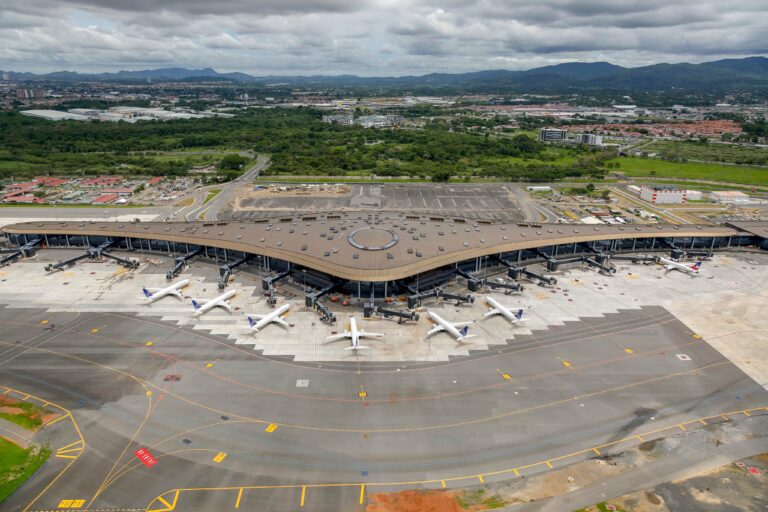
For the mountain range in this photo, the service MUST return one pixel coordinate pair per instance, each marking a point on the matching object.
(729, 74)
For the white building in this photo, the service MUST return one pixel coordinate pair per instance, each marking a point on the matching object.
(541, 188)
(344, 119)
(662, 194)
(634, 189)
(694, 195)
(729, 196)
(552, 134)
(589, 139)
(54, 115)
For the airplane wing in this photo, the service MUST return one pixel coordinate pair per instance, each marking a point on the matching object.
(154, 290)
(345, 334)
(226, 305)
(491, 313)
(176, 293)
(281, 321)
(670, 267)
(437, 328)
(370, 334)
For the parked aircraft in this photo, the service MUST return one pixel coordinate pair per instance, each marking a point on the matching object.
(203, 306)
(153, 294)
(449, 327)
(674, 265)
(354, 335)
(498, 309)
(259, 321)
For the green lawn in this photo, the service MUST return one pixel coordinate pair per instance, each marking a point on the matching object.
(694, 171)
(211, 194)
(17, 465)
(30, 417)
(712, 152)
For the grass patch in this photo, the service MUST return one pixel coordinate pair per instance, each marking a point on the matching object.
(744, 155)
(649, 167)
(211, 194)
(30, 417)
(17, 465)
(477, 497)
(186, 202)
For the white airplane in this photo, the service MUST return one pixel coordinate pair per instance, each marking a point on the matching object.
(694, 269)
(449, 327)
(153, 294)
(259, 321)
(203, 306)
(504, 311)
(354, 335)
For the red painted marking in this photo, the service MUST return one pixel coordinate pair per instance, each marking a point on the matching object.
(754, 471)
(145, 457)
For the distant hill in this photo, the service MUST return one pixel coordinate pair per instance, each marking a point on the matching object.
(729, 74)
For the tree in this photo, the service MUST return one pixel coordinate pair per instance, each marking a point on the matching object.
(590, 188)
(441, 176)
(233, 162)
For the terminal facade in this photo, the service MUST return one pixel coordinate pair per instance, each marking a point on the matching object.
(378, 256)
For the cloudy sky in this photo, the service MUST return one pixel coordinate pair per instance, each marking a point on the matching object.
(372, 37)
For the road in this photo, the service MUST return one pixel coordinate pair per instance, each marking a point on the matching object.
(210, 210)
(532, 211)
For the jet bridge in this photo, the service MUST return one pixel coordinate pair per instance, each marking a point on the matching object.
(225, 271)
(181, 262)
(26, 250)
(94, 253)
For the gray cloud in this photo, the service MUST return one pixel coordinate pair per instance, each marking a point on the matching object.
(371, 37)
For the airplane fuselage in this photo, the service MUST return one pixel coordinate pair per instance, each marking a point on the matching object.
(269, 318)
(220, 301)
(170, 290)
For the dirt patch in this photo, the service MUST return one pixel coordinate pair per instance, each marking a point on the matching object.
(11, 410)
(415, 501)
(647, 446)
(653, 498)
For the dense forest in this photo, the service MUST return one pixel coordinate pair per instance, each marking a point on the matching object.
(297, 140)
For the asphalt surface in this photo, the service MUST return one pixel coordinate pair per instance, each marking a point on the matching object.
(583, 384)
(498, 202)
(211, 209)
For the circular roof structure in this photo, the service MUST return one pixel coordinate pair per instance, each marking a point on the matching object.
(372, 238)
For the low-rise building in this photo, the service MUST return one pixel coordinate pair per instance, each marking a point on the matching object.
(662, 194)
(634, 189)
(694, 195)
(590, 139)
(729, 196)
(552, 134)
(105, 199)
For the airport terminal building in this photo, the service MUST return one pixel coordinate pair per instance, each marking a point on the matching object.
(380, 255)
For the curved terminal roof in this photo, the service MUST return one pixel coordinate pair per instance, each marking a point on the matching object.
(369, 248)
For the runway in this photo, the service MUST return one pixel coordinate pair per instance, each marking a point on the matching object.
(473, 419)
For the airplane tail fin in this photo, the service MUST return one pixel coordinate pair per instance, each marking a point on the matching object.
(519, 314)
(464, 331)
(147, 294)
(251, 321)
(697, 265)
(195, 304)
(356, 347)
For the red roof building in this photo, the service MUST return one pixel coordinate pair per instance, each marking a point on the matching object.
(21, 186)
(49, 182)
(103, 181)
(24, 199)
(155, 180)
(105, 199)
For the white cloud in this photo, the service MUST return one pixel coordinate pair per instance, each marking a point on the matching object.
(371, 37)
